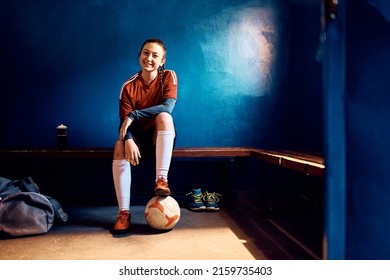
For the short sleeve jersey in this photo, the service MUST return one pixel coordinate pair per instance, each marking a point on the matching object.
(136, 94)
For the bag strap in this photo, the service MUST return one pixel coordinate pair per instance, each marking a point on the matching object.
(58, 210)
(28, 184)
(4, 184)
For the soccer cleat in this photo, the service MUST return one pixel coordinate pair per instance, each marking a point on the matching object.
(123, 220)
(161, 187)
(196, 203)
(211, 200)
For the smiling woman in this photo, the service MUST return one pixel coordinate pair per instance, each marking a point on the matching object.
(146, 102)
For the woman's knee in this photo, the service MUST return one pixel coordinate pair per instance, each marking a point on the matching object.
(119, 150)
(164, 121)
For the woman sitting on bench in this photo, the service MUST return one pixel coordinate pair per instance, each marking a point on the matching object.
(146, 125)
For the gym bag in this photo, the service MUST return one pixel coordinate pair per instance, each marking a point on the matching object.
(25, 211)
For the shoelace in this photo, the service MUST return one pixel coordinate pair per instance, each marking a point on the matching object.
(160, 178)
(211, 197)
(161, 181)
(122, 216)
(197, 197)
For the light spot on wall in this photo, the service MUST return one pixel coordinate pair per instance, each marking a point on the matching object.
(240, 49)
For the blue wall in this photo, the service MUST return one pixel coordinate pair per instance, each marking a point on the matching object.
(65, 61)
(368, 133)
(357, 150)
(305, 106)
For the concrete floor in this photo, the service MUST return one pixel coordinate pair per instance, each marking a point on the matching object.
(87, 236)
(237, 233)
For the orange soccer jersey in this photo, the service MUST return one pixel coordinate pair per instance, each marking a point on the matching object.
(136, 94)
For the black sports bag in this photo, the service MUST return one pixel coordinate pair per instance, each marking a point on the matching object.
(25, 211)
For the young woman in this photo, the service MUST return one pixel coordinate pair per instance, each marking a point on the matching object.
(146, 102)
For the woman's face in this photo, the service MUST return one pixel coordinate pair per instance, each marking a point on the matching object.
(152, 56)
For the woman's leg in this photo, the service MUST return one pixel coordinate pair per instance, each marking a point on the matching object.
(122, 181)
(164, 139)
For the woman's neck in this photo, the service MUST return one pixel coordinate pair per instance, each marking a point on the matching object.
(148, 77)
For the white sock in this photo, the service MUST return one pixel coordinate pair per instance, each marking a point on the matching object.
(122, 182)
(164, 147)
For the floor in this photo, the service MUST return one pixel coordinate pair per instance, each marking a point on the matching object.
(232, 233)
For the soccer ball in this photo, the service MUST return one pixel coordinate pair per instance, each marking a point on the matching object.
(162, 212)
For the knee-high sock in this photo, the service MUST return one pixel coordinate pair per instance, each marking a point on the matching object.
(122, 181)
(164, 146)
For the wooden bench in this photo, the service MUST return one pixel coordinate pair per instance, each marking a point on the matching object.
(307, 163)
(302, 162)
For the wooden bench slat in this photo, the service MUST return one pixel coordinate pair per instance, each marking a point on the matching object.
(304, 156)
(311, 164)
(47, 153)
(212, 152)
(305, 163)
(104, 152)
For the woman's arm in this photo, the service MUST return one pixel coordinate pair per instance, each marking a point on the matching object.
(167, 107)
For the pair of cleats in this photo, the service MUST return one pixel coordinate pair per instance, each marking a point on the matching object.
(123, 219)
(203, 201)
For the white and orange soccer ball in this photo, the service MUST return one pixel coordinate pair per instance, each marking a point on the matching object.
(162, 212)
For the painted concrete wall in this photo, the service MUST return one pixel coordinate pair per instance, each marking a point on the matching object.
(65, 61)
(357, 131)
(368, 133)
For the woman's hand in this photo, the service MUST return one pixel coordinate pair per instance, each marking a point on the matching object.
(132, 153)
(125, 125)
